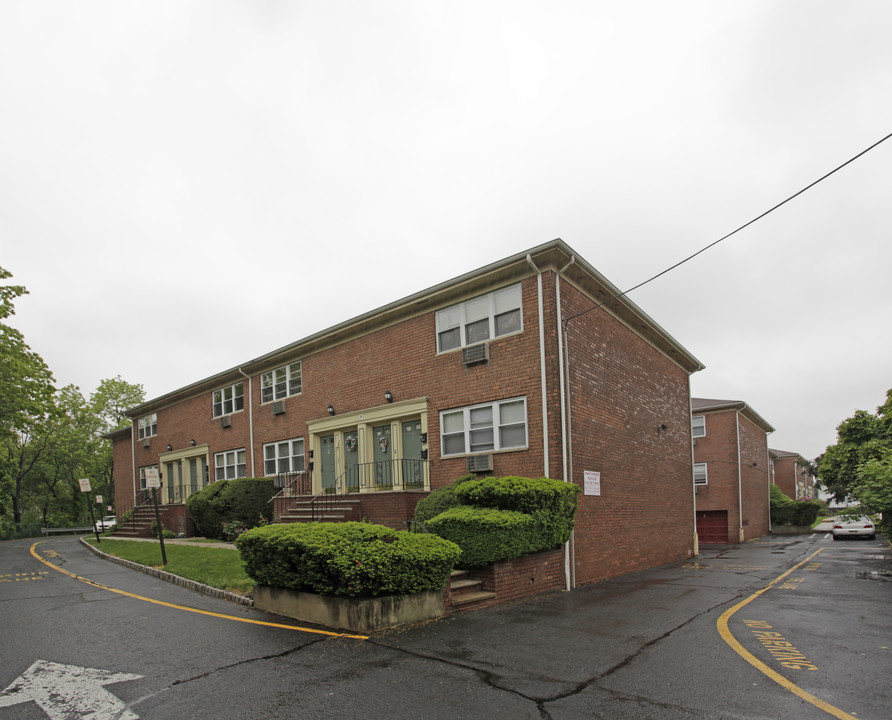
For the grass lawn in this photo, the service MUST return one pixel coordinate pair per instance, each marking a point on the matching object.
(218, 567)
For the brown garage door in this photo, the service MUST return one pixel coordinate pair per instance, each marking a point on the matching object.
(712, 526)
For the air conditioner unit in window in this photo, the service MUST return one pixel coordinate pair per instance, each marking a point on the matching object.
(146, 442)
(278, 407)
(474, 354)
(480, 463)
(226, 421)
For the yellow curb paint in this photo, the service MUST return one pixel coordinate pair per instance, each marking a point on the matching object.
(95, 584)
(722, 624)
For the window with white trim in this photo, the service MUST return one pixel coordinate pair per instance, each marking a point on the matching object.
(230, 464)
(229, 399)
(474, 321)
(142, 475)
(698, 426)
(494, 426)
(280, 383)
(147, 426)
(700, 474)
(286, 456)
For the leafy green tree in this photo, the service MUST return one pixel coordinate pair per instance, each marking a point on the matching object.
(859, 465)
(112, 399)
(26, 384)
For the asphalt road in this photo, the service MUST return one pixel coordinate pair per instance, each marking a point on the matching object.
(777, 628)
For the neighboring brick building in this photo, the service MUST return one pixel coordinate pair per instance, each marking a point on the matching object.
(731, 471)
(792, 474)
(511, 369)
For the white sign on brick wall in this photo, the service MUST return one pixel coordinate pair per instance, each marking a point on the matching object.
(592, 484)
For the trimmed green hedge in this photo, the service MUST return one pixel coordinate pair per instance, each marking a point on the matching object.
(503, 518)
(349, 559)
(246, 500)
(439, 500)
(486, 535)
(786, 511)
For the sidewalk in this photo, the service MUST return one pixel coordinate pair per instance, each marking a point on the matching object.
(177, 541)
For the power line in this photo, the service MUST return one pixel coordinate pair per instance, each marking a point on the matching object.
(733, 232)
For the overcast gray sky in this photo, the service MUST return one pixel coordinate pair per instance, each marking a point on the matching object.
(187, 185)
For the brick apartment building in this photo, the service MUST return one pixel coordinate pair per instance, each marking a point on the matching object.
(731, 471)
(511, 369)
(793, 475)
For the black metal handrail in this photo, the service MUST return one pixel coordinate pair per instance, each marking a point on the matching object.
(142, 497)
(400, 474)
(291, 485)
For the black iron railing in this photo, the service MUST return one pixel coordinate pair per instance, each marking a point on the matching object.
(380, 475)
(356, 480)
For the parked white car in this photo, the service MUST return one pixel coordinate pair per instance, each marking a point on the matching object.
(107, 523)
(854, 527)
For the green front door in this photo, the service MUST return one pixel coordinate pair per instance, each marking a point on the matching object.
(413, 466)
(351, 460)
(383, 455)
(327, 462)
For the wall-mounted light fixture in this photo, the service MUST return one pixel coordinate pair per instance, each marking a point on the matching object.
(169, 447)
(388, 396)
(192, 442)
(330, 410)
(664, 427)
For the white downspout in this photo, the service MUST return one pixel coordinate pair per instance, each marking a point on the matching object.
(566, 460)
(693, 485)
(545, 463)
(132, 462)
(250, 418)
(739, 481)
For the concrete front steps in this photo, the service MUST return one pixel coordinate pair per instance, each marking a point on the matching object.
(466, 592)
(343, 510)
(139, 526)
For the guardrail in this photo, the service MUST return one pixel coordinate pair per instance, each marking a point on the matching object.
(57, 530)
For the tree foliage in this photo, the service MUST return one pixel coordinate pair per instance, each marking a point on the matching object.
(49, 438)
(859, 465)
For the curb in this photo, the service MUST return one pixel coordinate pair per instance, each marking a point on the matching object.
(171, 578)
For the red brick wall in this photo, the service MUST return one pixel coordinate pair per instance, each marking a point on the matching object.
(785, 476)
(520, 578)
(622, 391)
(727, 474)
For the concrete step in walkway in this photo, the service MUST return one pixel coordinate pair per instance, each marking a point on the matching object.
(467, 591)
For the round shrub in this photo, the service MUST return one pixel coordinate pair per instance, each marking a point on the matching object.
(439, 500)
(349, 559)
(486, 535)
(245, 501)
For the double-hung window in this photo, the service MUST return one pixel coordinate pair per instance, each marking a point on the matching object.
(698, 426)
(283, 457)
(229, 399)
(148, 426)
(230, 464)
(474, 321)
(489, 427)
(280, 383)
(700, 474)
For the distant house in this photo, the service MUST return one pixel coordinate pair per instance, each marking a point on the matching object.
(792, 474)
(512, 369)
(731, 471)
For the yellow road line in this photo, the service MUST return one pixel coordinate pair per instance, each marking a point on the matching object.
(722, 625)
(95, 584)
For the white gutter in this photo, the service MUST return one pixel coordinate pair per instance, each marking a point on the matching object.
(739, 481)
(132, 462)
(693, 484)
(250, 418)
(566, 459)
(545, 464)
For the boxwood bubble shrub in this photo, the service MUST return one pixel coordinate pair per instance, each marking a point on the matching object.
(348, 559)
